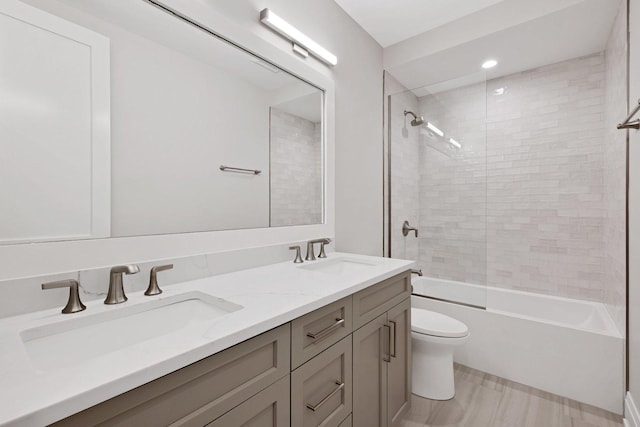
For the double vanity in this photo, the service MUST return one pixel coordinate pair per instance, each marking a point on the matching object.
(319, 343)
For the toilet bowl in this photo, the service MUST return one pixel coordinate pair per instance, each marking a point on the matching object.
(434, 338)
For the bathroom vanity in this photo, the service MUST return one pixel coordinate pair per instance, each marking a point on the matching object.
(322, 343)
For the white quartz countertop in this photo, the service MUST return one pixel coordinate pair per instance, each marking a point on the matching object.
(270, 296)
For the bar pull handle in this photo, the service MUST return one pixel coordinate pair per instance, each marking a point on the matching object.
(393, 354)
(74, 304)
(224, 168)
(326, 331)
(387, 344)
(317, 406)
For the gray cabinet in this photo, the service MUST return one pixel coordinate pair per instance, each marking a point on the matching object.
(399, 366)
(314, 371)
(201, 392)
(370, 373)
(382, 356)
(269, 408)
(321, 389)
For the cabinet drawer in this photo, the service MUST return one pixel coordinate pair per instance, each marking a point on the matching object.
(201, 392)
(319, 330)
(321, 388)
(269, 408)
(377, 299)
(348, 422)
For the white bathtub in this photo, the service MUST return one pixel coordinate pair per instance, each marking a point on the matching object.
(564, 346)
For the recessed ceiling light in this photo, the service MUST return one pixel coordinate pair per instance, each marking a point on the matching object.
(490, 63)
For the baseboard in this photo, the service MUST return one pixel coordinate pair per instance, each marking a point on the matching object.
(631, 415)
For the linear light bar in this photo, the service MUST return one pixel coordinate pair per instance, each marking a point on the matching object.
(454, 143)
(434, 129)
(281, 26)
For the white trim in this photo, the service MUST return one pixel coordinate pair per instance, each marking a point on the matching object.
(631, 415)
(100, 106)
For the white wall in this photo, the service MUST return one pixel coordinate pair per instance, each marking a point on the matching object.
(634, 208)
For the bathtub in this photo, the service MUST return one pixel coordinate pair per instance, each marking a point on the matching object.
(564, 346)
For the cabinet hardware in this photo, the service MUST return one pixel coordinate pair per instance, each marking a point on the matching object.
(393, 354)
(387, 344)
(314, 408)
(326, 331)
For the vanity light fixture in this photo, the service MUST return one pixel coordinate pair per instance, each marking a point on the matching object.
(301, 42)
(434, 129)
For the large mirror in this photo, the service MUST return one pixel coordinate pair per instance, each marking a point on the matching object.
(120, 119)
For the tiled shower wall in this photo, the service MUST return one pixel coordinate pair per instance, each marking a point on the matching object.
(296, 170)
(545, 182)
(453, 191)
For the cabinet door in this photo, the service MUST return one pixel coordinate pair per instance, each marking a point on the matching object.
(269, 408)
(399, 366)
(321, 390)
(370, 346)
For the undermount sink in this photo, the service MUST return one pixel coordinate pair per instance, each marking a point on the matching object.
(77, 340)
(339, 265)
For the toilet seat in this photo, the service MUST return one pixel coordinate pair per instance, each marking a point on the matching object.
(435, 324)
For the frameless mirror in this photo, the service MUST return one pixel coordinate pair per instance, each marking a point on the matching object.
(121, 119)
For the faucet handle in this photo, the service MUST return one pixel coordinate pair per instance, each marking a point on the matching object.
(322, 243)
(153, 288)
(298, 259)
(74, 304)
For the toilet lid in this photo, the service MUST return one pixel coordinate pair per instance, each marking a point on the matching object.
(436, 324)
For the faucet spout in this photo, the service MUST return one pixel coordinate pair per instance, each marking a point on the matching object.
(116, 293)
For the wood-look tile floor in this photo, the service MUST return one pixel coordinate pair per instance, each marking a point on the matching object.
(484, 400)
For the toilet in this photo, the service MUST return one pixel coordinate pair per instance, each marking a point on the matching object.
(434, 337)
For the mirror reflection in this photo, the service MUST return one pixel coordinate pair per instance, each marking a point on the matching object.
(118, 117)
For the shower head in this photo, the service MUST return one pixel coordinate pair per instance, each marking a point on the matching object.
(417, 120)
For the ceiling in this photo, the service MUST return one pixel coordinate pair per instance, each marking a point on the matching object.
(390, 22)
(446, 48)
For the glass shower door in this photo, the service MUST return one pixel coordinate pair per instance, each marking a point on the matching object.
(438, 186)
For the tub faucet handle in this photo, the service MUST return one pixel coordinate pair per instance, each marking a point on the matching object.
(74, 304)
(153, 288)
(406, 228)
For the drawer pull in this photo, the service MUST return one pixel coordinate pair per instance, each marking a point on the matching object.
(326, 331)
(329, 396)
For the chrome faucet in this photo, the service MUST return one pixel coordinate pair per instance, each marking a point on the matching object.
(406, 228)
(418, 272)
(116, 291)
(311, 256)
